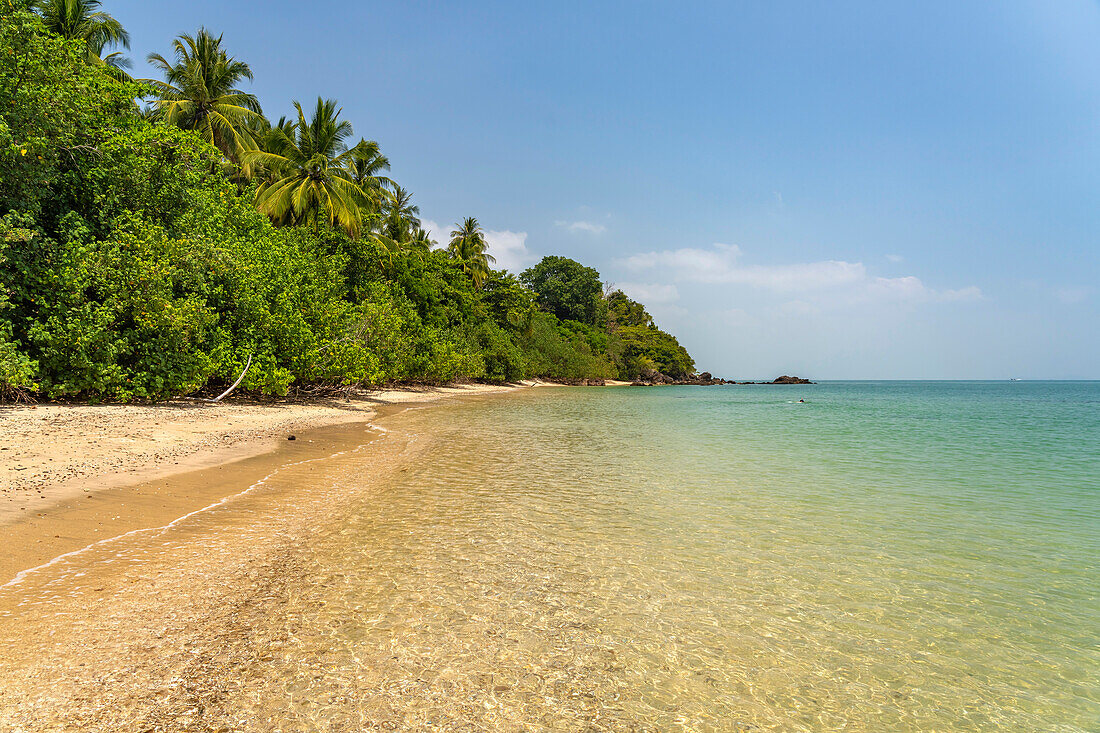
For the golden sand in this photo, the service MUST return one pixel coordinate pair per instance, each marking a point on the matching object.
(75, 474)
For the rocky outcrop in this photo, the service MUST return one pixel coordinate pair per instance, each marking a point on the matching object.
(790, 380)
(785, 379)
(651, 378)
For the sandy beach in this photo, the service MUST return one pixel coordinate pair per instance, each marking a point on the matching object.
(74, 474)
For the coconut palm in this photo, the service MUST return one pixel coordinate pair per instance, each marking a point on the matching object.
(366, 166)
(82, 20)
(265, 136)
(421, 239)
(199, 92)
(400, 215)
(388, 249)
(469, 247)
(309, 177)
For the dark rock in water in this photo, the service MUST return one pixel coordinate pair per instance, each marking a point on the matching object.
(652, 377)
(291, 437)
(785, 379)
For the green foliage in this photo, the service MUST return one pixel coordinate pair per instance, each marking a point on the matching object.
(133, 267)
(566, 288)
(646, 348)
(16, 369)
(312, 172)
(622, 311)
(54, 109)
(199, 93)
(556, 352)
(82, 20)
(470, 250)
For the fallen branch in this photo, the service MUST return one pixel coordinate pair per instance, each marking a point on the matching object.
(233, 386)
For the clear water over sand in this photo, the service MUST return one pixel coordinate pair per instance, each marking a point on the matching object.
(884, 557)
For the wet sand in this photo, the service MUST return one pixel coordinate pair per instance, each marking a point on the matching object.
(155, 614)
(153, 630)
(71, 475)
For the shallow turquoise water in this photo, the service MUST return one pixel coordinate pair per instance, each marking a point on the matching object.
(884, 556)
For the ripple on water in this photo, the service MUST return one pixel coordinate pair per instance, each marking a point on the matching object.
(589, 560)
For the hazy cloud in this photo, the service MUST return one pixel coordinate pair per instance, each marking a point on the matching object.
(650, 293)
(833, 280)
(510, 249)
(1072, 295)
(720, 264)
(582, 226)
(441, 234)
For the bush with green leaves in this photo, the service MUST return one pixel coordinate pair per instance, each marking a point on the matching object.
(645, 347)
(568, 289)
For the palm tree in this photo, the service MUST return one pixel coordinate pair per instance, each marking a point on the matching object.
(366, 166)
(421, 239)
(469, 247)
(401, 216)
(309, 177)
(199, 93)
(82, 20)
(265, 137)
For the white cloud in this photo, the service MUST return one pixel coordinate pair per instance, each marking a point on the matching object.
(720, 264)
(582, 226)
(736, 318)
(895, 258)
(911, 289)
(835, 281)
(650, 293)
(441, 234)
(799, 308)
(509, 248)
(971, 292)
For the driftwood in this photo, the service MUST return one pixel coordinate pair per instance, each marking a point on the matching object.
(232, 387)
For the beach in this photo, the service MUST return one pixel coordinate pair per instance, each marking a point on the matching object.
(68, 472)
(918, 556)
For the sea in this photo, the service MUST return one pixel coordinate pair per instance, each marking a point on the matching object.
(856, 556)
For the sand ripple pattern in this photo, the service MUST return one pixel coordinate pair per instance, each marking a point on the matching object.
(571, 561)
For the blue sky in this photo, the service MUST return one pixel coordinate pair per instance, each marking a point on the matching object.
(838, 190)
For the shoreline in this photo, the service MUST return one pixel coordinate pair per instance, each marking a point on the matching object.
(75, 475)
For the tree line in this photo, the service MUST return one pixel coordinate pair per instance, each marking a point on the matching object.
(157, 235)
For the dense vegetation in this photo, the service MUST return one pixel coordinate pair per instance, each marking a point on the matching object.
(156, 235)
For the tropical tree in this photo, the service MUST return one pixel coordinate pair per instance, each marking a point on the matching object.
(82, 20)
(199, 92)
(421, 239)
(566, 288)
(269, 138)
(401, 217)
(469, 247)
(366, 167)
(309, 172)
